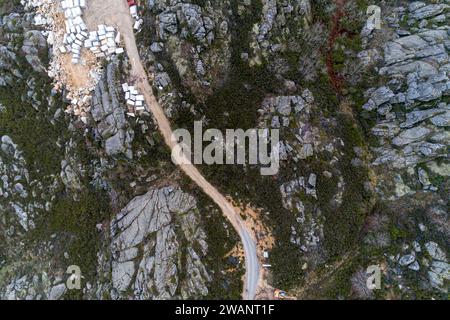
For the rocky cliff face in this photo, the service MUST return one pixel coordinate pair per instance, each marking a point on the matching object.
(111, 126)
(411, 129)
(149, 259)
(412, 113)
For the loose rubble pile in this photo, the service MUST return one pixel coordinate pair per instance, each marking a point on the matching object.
(135, 101)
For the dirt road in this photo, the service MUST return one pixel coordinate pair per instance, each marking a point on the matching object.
(116, 13)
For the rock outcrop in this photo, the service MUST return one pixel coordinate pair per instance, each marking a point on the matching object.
(411, 157)
(15, 184)
(157, 248)
(109, 115)
(418, 66)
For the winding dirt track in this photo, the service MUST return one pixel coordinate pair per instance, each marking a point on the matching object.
(116, 13)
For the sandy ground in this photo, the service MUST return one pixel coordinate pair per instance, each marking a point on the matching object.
(116, 13)
(75, 77)
(77, 74)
